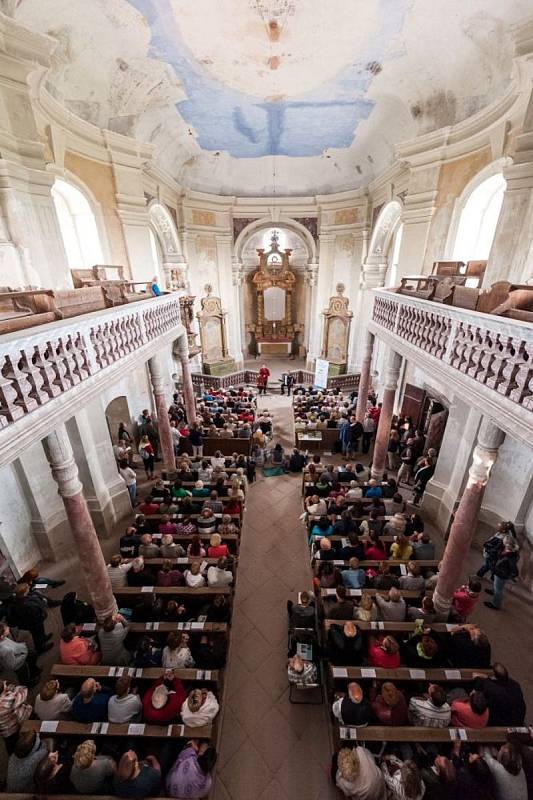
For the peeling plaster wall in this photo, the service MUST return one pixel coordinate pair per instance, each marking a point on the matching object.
(453, 177)
(99, 179)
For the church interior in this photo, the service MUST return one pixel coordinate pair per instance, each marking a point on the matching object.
(266, 399)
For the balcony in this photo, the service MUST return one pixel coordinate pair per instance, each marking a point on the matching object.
(41, 366)
(485, 358)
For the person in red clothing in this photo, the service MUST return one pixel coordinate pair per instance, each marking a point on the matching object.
(148, 507)
(375, 549)
(217, 549)
(375, 413)
(74, 649)
(465, 599)
(383, 651)
(390, 706)
(163, 700)
(471, 711)
(262, 379)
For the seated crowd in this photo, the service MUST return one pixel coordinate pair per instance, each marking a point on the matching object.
(155, 662)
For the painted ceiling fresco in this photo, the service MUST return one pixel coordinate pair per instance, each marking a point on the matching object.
(258, 97)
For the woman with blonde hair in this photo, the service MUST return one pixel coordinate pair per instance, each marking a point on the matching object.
(216, 549)
(357, 775)
(147, 453)
(366, 611)
(91, 774)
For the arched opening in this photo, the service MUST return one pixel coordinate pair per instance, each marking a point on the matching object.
(394, 257)
(478, 220)
(78, 226)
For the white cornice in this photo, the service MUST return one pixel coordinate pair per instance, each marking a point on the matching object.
(23, 44)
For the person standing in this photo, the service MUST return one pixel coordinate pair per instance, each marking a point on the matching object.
(147, 454)
(130, 479)
(368, 432)
(264, 375)
(505, 569)
(196, 440)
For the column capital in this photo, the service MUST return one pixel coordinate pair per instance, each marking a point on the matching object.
(392, 372)
(489, 440)
(61, 458)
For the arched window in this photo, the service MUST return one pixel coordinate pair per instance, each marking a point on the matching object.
(156, 252)
(478, 220)
(78, 226)
(394, 257)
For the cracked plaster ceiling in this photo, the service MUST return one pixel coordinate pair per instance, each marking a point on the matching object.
(263, 97)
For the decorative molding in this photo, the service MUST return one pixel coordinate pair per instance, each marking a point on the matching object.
(39, 367)
(481, 356)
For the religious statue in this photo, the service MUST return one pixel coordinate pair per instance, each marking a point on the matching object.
(336, 336)
(213, 336)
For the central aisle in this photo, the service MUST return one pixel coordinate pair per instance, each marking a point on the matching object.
(270, 749)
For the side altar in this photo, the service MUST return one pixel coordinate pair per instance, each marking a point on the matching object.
(274, 331)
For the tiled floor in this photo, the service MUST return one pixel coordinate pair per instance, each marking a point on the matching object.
(270, 749)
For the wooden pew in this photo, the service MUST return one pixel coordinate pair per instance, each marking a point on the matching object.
(407, 733)
(433, 675)
(88, 730)
(390, 563)
(407, 594)
(164, 627)
(181, 591)
(390, 627)
(73, 671)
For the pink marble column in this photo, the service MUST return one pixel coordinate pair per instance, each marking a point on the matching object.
(379, 458)
(155, 366)
(92, 563)
(186, 380)
(463, 527)
(364, 378)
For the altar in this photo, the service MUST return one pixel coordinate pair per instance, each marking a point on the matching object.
(276, 347)
(274, 332)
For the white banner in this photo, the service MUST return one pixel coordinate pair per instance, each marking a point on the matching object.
(321, 373)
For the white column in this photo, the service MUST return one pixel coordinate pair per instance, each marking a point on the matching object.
(511, 255)
(324, 278)
(417, 213)
(65, 473)
(128, 162)
(489, 440)
(228, 295)
(104, 489)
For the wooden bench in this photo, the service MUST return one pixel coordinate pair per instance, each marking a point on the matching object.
(163, 627)
(182, 561)
(401, 565)
(433, 674)
(181, 591)
(80, 673)
(407, 594)
(407, 733)
(390, 627)
(88, 730)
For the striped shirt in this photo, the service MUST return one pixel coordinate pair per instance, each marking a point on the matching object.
(13, 709)
(424, 714)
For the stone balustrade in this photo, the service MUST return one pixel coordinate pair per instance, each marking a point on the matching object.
(40, 366)
(489, 357)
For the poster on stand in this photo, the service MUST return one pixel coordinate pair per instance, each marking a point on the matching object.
(321, 373)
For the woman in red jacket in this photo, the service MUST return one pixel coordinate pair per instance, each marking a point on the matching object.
(383, 651)
(163, 701)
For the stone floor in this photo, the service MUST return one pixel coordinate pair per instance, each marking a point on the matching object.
(270, 749)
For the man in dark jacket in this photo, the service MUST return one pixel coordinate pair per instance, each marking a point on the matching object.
(28, 611)
(504, 695)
